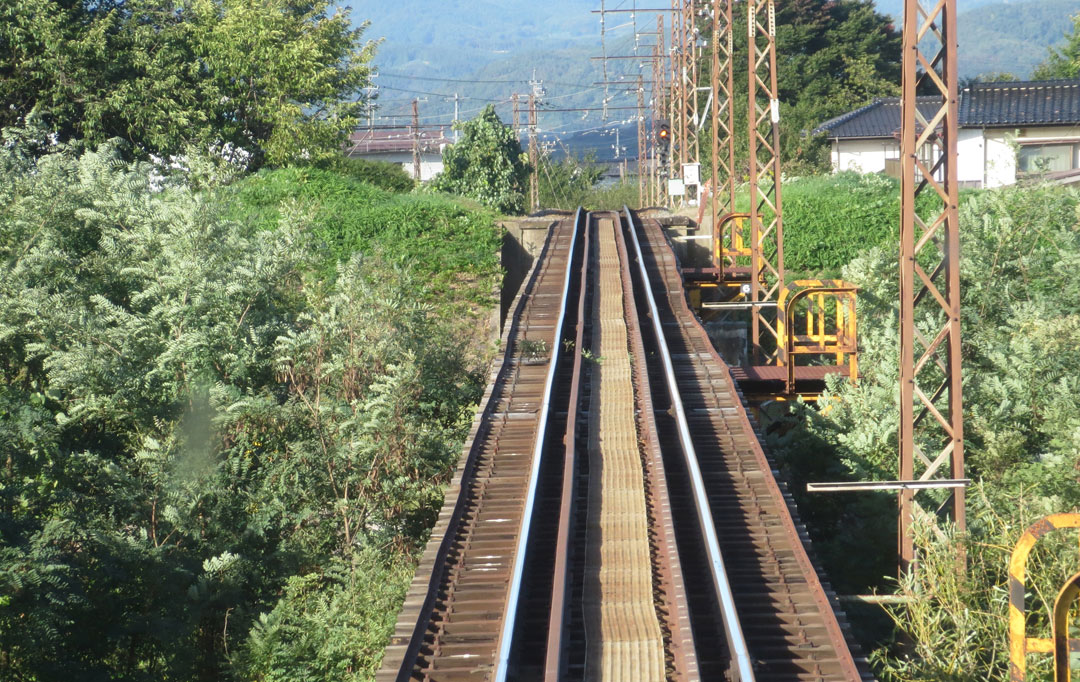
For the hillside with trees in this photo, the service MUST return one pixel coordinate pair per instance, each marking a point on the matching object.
(995, 38)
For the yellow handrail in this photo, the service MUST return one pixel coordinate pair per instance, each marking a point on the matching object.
(1019, 643)
(839, 339)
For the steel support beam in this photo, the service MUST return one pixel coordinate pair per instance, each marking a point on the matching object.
(722, 115)
(766, 214)
(534, 157)
(641, 156)
(660, 113)
(688, 115)
(931, 414)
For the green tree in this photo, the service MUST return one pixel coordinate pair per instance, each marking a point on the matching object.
(263, 81)
(487, 164)
(214, 463)
(1064, 61)
(832, 56)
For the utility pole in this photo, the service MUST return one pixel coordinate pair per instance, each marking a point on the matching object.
(456, 98)
(642, 201)
(688, 117)
(676, 85)
(416, 139)
(534, 189)
(766, 215)
(930, 363)
(659, 110)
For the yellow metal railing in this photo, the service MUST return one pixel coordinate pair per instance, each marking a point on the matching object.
(824, 310)
(728, 242)
(1065, 599)
(1020, 644)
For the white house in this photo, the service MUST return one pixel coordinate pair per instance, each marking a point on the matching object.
(397, 144)
(1007, 131)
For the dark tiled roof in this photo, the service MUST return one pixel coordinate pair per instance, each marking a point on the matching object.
(1021, 103)
(1014, 103)
(880, 118)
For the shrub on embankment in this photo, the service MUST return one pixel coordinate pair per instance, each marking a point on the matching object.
(1020, 252)
(831, 219)
(444, 239)
(214, 462)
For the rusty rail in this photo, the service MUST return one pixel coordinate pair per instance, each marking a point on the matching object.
(792, 623)
(557, 619)
(500, 592)
(743, 669)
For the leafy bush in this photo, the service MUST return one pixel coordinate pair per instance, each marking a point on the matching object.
(442, 237)
(1020, 250)
(830, 219)
(487, 164)
(565, 184)
(382, 174)
(215, 463)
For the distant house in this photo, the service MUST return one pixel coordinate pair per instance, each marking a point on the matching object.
(396, 145)
(1006, 131)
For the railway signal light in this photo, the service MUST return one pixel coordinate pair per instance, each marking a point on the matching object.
(663, 145)
(663, 134)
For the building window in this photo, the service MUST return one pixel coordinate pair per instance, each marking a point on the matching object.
(1046, 158)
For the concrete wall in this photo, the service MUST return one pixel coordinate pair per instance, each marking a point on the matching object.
(1000, 158)
(986, 157)
(970, 150)
(522, 243)
(864, 156)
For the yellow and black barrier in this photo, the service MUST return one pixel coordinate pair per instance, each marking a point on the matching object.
(1020, 645)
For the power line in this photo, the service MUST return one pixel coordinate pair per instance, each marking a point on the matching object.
(505, 81)
(436, 94)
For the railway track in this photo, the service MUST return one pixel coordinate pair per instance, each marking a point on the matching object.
(613, 516)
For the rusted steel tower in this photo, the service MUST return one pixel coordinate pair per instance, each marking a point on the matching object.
(722, 113)
(534, 156)
(931, 421)
(683, 84)
(766, 214)
(660, 110)
(641, 152)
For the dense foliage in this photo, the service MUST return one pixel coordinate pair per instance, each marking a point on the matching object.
(383, 174)
(1021, 328)
(487, 164)
(831, 219)
(444, 240)
(213, 464)
(259, 80)
(1063, 61)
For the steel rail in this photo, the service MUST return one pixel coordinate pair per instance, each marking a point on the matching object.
(510, 614)
(554, 662)
(820, 595)
(402, 671)
(743, 668)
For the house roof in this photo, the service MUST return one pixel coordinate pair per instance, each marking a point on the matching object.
(880, 118)
(1024, 103)
(390, 140)
(1006, 104)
